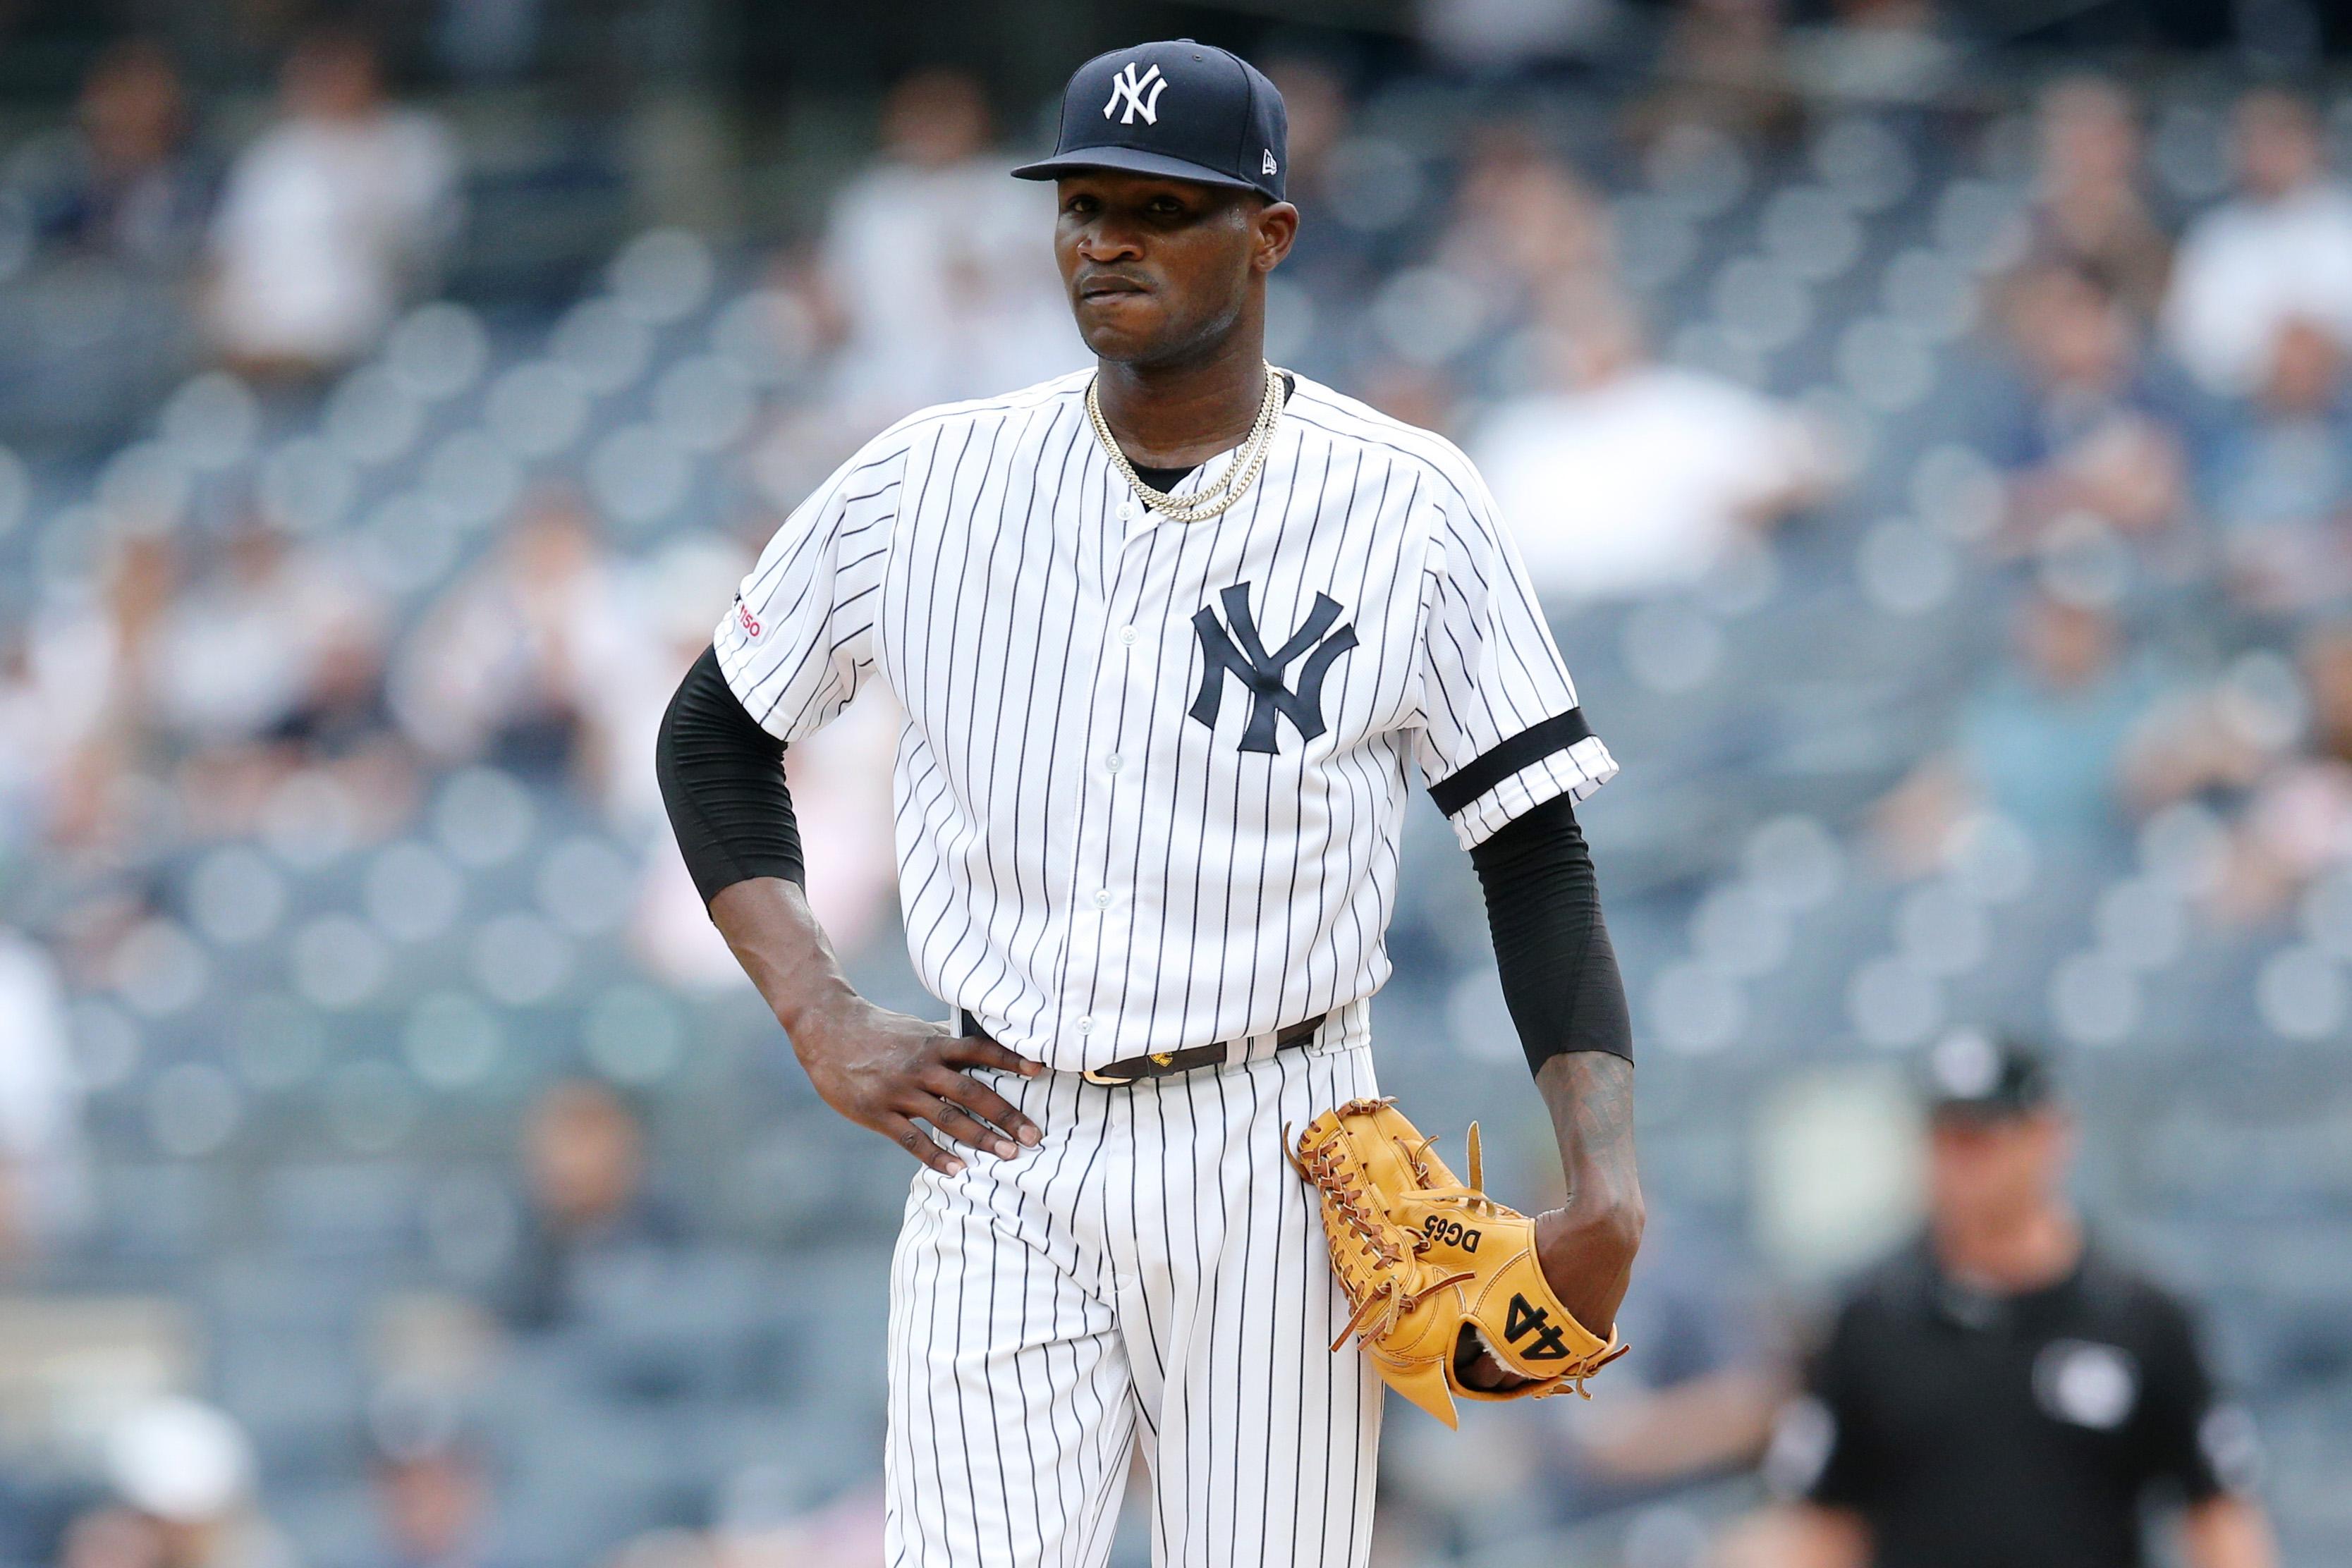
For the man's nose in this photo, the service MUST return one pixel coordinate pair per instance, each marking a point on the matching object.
(1109, 239)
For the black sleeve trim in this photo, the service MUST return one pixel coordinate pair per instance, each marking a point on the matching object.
(1551, 947)
(722, 780)
(1533, 744)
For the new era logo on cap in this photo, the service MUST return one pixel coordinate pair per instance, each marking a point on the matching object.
(1178, 109)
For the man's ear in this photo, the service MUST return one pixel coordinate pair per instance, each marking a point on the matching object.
(1275, 228)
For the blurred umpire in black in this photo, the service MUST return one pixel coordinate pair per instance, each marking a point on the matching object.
(2004, 1393)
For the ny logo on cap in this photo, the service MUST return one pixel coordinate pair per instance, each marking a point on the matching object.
(1238, 652)
(1129, 87)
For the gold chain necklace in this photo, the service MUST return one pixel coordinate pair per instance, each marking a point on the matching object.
(1211, 499)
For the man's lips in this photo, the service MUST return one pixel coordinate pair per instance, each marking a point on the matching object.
(1111, 288)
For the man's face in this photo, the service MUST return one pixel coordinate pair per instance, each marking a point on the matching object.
(1985, 1170)
(431, 1505)
(2067, 645)
(1159, 270)
(2280, 146)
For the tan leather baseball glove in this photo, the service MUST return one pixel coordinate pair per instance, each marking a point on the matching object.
(1434, 1268)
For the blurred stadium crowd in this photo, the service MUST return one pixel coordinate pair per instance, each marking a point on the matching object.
(1944, 486)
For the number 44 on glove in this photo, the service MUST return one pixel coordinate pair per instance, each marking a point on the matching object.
(1435, 1269)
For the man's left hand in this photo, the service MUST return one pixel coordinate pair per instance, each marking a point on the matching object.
(1587, 1253)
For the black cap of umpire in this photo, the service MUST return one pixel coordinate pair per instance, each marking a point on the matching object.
(1985, 1077)
(1182, 110)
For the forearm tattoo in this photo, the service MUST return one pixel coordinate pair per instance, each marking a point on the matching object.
(1590, 1095)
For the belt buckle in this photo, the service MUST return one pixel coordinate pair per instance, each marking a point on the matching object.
(1158, 1059)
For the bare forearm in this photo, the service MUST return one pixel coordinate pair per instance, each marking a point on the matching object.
(775, 936)
(882, 1069)
(1589, 1242)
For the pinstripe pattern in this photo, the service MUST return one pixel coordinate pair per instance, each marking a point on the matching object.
(1094, 873)
(1152, 1273)
(1090, 872)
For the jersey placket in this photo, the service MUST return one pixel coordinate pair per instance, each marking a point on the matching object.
(1102, 920)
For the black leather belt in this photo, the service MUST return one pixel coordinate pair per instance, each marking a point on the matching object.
(1166, 1063)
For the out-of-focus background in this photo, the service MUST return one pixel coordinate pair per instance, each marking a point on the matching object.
(1930, 424)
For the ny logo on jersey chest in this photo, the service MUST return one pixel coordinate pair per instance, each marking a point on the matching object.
(1231, 647)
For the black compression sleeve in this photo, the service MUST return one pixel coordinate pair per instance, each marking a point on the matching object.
(723, 778)
(1543, 904)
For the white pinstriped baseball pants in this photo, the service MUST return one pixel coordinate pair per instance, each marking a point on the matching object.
(1154, 1273)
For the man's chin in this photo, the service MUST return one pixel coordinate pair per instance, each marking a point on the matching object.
(1120, 332)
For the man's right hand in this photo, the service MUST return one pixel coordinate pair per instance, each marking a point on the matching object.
(882, 1069)
(886, 1071)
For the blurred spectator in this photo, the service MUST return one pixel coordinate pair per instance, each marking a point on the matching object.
(433, 1506)
(29, 747)
(2298, 825)
(2089, 212)
(2042, 741)
(256, 644)
(1624, 476)
(2285, 776)
(1723, 63)
(1887, 51)
(1503, 36)
(1526, 228)
(269, 662)
(187, 1469)
(334, 216)
(50, 666)
(94, 691)
(1419, 395)
(584, 1165)
(122, 186)
(432, 1488)
(1331, 259)
(2090, 433)
(2005, 1391)
(528, 660)
(939, 267)
(2278, 479)
(1315, 99)
(2279, 251)
(111, 1538)
(44, 1172)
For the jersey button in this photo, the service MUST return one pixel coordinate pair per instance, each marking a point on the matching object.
(1128, 637)
(1114, 762)
(1102, 898)
(1127, 511)
(1086, 1025)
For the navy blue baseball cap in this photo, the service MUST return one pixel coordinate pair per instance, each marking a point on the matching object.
(1978, 1076)
(1182, 110)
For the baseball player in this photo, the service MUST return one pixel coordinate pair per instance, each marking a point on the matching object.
(2006, 1390)
(1171, 635)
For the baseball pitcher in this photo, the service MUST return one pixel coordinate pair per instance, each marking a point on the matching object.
(1171, 636)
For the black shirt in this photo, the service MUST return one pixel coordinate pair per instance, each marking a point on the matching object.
(2020, 1430)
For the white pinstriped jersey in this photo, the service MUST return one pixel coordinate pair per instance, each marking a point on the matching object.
(1152, 774)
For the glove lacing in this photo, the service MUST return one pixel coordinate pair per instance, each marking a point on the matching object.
(1328, 1167)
